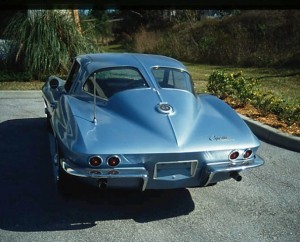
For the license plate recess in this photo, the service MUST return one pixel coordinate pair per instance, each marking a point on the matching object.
(175, 170)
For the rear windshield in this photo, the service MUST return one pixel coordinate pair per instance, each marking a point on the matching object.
(173, 78)
(112, 80)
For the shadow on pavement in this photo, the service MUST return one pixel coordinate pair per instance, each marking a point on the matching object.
(29, 202)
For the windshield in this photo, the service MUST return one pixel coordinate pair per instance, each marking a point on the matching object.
(112, 80)
(173, 78)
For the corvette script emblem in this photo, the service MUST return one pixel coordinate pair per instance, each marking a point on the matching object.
(219, 138)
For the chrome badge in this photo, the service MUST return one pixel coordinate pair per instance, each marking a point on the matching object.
(219, 138)
(164, 108)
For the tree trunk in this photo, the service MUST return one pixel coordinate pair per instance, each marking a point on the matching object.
(77, 20)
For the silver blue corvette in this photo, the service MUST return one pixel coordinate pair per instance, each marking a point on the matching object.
(134, 121)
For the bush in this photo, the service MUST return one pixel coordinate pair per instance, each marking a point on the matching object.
(242, 90)
(234, 85)
(146, 41)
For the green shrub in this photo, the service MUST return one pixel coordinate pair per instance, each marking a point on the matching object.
(243, 90)
(234, 85)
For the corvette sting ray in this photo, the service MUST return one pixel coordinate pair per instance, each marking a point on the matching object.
(134, 121)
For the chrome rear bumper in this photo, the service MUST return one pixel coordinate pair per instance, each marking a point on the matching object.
(216, 172)
(222, 171)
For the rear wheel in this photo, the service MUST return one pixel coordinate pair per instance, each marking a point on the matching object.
(48, 122)
(64, 181)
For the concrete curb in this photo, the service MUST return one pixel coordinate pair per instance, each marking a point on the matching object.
(272, 135)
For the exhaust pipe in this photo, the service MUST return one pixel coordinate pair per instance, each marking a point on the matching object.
(102, 184)
(236, 176)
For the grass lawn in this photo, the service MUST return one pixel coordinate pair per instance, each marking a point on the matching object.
(18, 85)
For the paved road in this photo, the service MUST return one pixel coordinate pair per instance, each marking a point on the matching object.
(264, 206)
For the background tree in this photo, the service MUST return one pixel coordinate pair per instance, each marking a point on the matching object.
(6, 17)
(101, 24)
(45, 42)
(77, 20)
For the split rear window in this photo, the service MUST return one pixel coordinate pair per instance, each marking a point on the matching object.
(173, 78)
(112, 80)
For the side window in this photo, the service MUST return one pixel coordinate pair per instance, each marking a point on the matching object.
(72, 75)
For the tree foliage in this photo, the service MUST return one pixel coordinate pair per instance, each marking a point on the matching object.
(101, 24)
(44, 42)
(241, 38)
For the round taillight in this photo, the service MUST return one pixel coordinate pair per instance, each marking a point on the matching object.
(234, 155)
(95, 161)
(247, 154)
(113, 161)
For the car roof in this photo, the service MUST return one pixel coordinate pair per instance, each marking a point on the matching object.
(104, 60)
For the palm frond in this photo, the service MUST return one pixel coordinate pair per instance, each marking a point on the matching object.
(46, 42)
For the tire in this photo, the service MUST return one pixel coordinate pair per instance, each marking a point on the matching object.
(64, 181)
(48, 123)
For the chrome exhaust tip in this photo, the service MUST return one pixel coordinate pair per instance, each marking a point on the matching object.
(236, 176)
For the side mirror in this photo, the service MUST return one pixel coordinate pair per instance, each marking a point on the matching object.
(54, 83)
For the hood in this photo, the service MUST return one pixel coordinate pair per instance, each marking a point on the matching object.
(139, 121)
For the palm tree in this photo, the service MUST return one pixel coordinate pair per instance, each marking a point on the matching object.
(77, 20)
(43, 41)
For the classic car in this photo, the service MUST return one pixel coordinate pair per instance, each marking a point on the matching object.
(134, 121)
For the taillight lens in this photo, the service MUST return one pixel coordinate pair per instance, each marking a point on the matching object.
(247, 154)
(113, 161)
(234, 155)
(95, 161)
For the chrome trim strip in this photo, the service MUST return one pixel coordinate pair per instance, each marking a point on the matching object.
(130, 172)
(256, 162)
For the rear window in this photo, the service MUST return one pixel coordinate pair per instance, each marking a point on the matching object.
(173, 78)
(112, 80)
